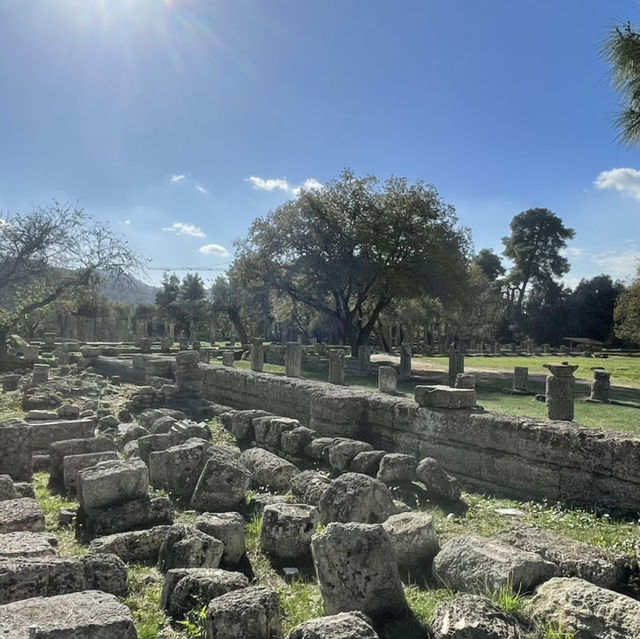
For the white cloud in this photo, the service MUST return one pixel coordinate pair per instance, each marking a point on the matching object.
(185, 229)
(214, 249)
(281, 184)
(619, 265)
(202, 190)
(177, 178)
(573, 251)
(127, 221)
(626, 181)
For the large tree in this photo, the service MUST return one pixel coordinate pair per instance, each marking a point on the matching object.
(535, 244)
(52, 252)
(627, 313)
(351, 248)
(621, 51)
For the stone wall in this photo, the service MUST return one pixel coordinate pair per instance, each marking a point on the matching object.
(526, 458)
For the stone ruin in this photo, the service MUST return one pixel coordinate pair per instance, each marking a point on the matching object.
(346, 471)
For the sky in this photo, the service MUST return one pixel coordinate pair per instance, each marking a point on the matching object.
(178, 122)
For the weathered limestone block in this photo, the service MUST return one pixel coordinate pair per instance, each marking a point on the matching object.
(178, 468)
(358, 498)
(188, 547)
(7, 488)
(560, 391)
(162, 425)
(222, 482)
(250, 613)
(21, 514)
(149, 416)
(367, 462)
(439, 484)
(184, 587)
(152, 443)
(387, 380)
(228, 358)
(129, 433)
(357, 570)
(397, 468)
(138, 514)
(318, 448)
(344, 625)
(269, 430)
(309, 486)
(268, 470)
(188, 373)
(186, 429)
(112, 482)
(520, 378)
(240, 423)
(68, 411)
(600, 386)
(10, 382)
(293, 442)
(71, 464)
(25, 577)
(88, 615)
(474, 564)
(586, 610)
(41, 415)
(336, 367)
(40, 373)
(27, 544)
(342, 452)
(474, 616)
(337, 412)
(445, 397)
(229, 529)
(414, 539)
(285, 534)
(465, 380)
(573, 558)
(15, 450)
(257, 354)
(132, 546)
(43, 435)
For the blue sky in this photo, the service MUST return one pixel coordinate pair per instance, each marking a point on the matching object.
(180, 121)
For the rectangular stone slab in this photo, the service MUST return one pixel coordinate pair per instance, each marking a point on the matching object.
(21, 514)
(445, 397)
(44, 434)
(90, 614)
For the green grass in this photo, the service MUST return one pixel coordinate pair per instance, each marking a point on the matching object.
(10, 407)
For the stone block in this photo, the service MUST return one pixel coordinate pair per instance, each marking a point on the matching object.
(7, 488)
(293, 442)
(112, 483)
(309, 486)
(229, 528)
(27, 544)
(268, 470)
(188, 547)
(133, 546)
(344, 625)
(269, 430)
(15, 450)
(387, 380)
(45, 434)
(285, 534)
(152, 443)
(71, 464)
(445, 397)
(343, 452)
(397, 468)
(21, 514)
(414, 540)
(88, 615)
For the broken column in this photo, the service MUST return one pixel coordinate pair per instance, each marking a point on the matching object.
(364, 357)
(257, 354)
(405, 361)
(188, 373)
(520, 377)
(228, 358)
(387, 380)
(293, 360)
(560, 388)
(600, 386)
(456, 365)
(336, 367)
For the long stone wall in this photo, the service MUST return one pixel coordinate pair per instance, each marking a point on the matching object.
(526, 458)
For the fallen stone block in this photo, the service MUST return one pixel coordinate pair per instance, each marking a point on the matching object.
(15, 450)
(133, 546)
(367, 462)
(152, 443)
(309, 486)
(414, 540)
(59, 450)
(438, 483)
(229, 529)
(268, 470)
(80, 615)
(397, 468)
(293, 442)
(184, 588)
(474, 616)
(25, 577)
(112, 483)
(71, 464)
(45, 434)
(445, 397)
(21, 514)
(357, 570)
(584, 610)
(27, 544)
(477, 565)
(286, 531)
(149, 416)
(343, 452)
(573, 558)
(269, 430)
(7, 488)
(250, 613)
(356, 497)
(344, 625)
(188, 547)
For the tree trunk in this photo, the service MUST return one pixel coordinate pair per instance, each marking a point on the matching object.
(239, 326)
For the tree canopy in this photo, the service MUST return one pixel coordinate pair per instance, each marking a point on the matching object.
(535, 244)
(351, 248)
(627, 313)
(51, 252)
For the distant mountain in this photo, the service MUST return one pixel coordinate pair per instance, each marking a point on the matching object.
(129, 290)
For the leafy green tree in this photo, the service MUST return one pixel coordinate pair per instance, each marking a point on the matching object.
(192, 302)
(350, 249)
(546, 313)
(490, 264)
(51, 253)
(627, 313)
(535, 244)
(621, 51)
